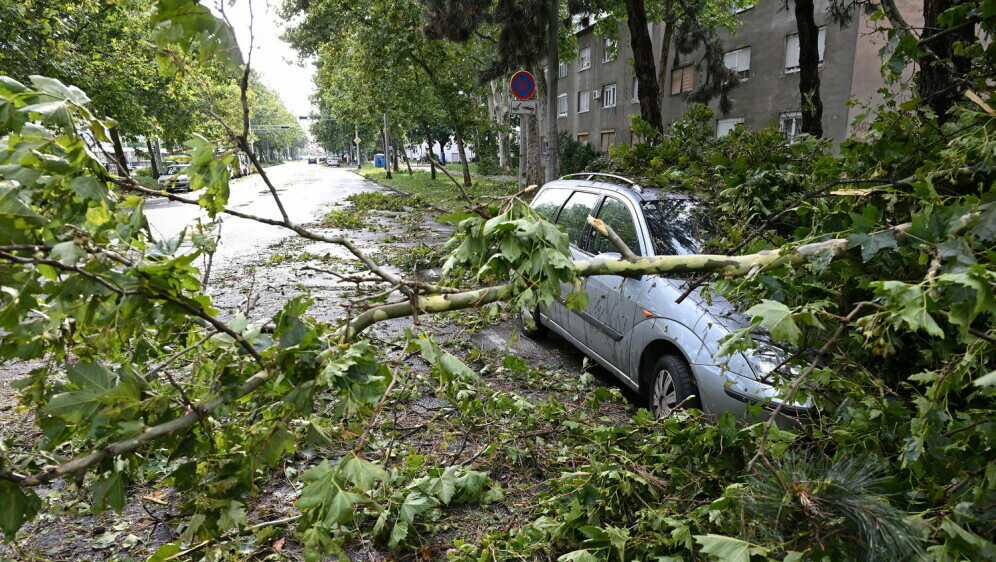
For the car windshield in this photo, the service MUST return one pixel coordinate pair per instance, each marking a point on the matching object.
(677, 226)
(175, 170)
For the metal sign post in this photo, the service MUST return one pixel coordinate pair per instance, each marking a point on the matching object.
(523, 87)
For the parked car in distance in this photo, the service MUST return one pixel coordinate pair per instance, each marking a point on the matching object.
(334, 161)
(312, 160)
(175, 178)
(665, 351)
(322, 160)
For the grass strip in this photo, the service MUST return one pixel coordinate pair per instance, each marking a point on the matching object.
(439, 191)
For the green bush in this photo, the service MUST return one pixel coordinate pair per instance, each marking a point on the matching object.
(575, 156)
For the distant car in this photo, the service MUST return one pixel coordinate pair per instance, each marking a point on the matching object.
(175, 178)
(312, 160)
(664, 350)
(321, 160)
(334, 161)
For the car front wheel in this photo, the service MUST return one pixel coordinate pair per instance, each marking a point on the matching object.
(672, 387)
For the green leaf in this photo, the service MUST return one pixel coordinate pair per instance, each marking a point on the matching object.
(109, 492)
(12, 206)
(870, 244)
(362, 472)
(19, 506)
(729, 549)
(88, 188)
(67, 252)
(777, 318)
(578, 556)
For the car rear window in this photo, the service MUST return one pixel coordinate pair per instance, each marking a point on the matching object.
(549, 202)
(677, 226)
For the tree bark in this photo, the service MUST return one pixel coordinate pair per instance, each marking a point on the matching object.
(534, 171)
(119, 155)
(553, 64)
(152, 159)
(428, 140)
(499, 114)
(939, 84)
(400, 142)
(643, 64)
(463, 154)
(665, 55)
(809, 68)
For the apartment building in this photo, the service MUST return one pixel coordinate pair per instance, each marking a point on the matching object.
(597, 92)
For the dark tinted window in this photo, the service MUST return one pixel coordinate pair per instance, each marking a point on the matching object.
(574, 217)
(617, 215)
(677, 226)
(549, 202)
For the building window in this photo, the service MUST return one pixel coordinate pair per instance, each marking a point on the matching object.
(792, 50)
(682, 79)
(611, 49)
(636, 90)
(562, 72)
(584, 59)
(724, 126)
(608, 95)
(562, 105)
(608, 139)
(791, 124)
(583, 138)
(584, 101)
(739, 61)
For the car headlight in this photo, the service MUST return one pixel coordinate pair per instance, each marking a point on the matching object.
(766, 358)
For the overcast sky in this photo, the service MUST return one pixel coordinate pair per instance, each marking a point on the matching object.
(273, 58)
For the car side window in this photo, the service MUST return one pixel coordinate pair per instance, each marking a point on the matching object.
(549, 202)
(574, 217)
(617, 215)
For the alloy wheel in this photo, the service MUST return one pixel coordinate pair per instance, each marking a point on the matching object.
(665, 396)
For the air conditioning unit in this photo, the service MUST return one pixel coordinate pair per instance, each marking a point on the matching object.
(597, 94)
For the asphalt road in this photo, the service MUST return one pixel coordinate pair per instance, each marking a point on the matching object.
(304, 190)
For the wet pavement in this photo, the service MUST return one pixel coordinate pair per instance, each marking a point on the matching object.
(305, 190)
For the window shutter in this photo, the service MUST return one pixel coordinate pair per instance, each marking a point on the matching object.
(688, 79)
(676, 81)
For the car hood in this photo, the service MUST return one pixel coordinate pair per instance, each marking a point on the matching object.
(718, 309)
(174, 177)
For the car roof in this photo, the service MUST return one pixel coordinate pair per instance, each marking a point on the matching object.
(617, 184)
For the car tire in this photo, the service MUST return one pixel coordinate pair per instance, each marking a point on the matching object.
(535, 333)
(671, 386)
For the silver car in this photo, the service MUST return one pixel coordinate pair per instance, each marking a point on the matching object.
(175, 178)
(632, 326)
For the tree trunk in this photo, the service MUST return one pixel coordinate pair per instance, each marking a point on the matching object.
(534, 171)
(152, 159)
(400, 142)
(809, 68)
(463, 155)
(428, 140)
(643, 64)
(499, 114)
(665, 55)
(119, 155)
(553, 64)
(939, 84)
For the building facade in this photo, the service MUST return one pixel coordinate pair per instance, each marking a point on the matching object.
(597, 92)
